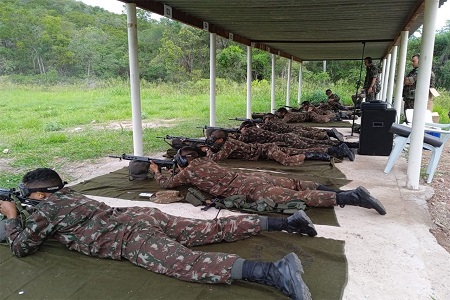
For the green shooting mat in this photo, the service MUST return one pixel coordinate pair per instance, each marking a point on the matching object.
(57, 273)
(335, 124)
(117, 185)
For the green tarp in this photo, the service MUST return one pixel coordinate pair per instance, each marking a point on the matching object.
(57, 273)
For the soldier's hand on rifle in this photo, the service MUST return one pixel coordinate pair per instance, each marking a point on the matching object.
(8, 209)
(154, 167)
(204, 148)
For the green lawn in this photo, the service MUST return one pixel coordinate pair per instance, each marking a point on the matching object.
(54, 126)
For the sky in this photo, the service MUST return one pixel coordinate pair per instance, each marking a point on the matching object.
(117, 7)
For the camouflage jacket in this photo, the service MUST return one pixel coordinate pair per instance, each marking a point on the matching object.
(409, 90)
(295, 117)
(206, 175)
(276, 125)
(371, 73)
(236, 149)
(82, 224)
(257, 135)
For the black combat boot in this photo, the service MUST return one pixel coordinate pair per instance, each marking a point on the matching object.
(352, 144)
(359, 197)
(341, 151)
(336, 134)
(317, 156)
(327, 189)
(285, 275)
(298, 222)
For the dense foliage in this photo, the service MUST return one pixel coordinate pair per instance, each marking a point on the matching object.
(65, 38)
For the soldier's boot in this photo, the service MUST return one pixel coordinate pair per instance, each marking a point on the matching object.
(341, 151)
(335, 134)
(298, 222)
(317, 156)
(352, 144)
(284, 274)
(328, 189)
(360, 197)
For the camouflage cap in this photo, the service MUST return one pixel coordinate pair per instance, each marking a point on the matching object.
(138, 170)
(166, 197)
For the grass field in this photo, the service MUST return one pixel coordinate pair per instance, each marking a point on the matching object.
(53, 126)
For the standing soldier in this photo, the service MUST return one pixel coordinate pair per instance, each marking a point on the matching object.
(372, 84)
(409, 84)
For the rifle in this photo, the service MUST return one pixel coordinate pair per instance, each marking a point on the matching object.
(196, 143)
(245, 119)
(13, 195)
(228, 130)
(24, 206)
(162, 163)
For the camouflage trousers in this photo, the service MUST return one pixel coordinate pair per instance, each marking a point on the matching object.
(409, 104)
(295, 141)
(158, 242)
(318, 118)
(309, 132)
(273, 152)
(281, 190)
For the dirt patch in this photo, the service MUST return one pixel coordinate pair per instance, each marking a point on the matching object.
(439, 204)
(125, 125)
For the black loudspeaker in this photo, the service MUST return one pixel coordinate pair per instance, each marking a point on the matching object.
(375, 138)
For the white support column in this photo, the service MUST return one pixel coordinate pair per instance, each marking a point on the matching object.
(401, 74)
(422, 90)
(272, 86)
(386, 78)
(288, 84)
(136, 118)
(383, 71)
(249, 82)
(390, 89)
(300, 81)
(212, 79)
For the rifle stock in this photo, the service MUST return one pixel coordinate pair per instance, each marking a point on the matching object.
(245, 119)
(229, 130)
(162, 163)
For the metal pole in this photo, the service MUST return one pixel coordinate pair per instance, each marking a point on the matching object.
(386, 77)
(390, 89)
(272, 85)
(401, 74)
(288, 85)
(380, 94)
(421, 97)
(300, 81)
(249, 82)
(212, 79)
(134, 80)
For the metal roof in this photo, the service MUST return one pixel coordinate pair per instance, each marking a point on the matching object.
(304, 30)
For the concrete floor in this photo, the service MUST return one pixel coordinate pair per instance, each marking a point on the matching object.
(389, 257)
(392, 256)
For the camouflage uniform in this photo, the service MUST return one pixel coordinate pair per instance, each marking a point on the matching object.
(409, 91)
(309, 116)
(278, 126)
(217, 180)
(372, 72)
(236, 149)
(145, 236)
(257, 135)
